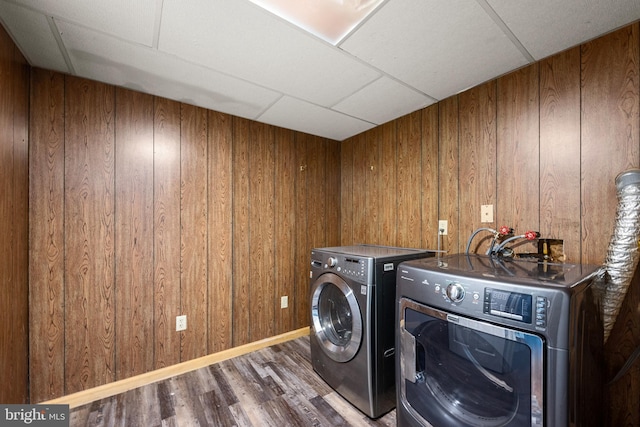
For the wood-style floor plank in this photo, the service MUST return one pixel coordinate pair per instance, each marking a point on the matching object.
(275, 386)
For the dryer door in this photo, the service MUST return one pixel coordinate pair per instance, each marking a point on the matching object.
(336, 317)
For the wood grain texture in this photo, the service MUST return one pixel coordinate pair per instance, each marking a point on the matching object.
(332, 203)
(609, 133)
(303, 247)
(193, 231)
(372, 187)
(261, 285)
(429, 178)
(317, 192)
(477, 160)
(272, 386)
(448, 176)
(89, 234)
(285, 226)
(409, 178)
(361, 226)
(220, 231)
(20, 229)
(134, 225)
(346, 191)
(14, 290)
(387, 176)
(518, 153)
(46, 231)
(559, 149)
(241, 232)
(166, 231)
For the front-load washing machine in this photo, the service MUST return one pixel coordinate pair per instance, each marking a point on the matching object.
(488, 342)
(353, 321)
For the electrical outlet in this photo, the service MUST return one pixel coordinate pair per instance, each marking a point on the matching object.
(284, 301)
(443, 227)
(486, 213)
(181, 323)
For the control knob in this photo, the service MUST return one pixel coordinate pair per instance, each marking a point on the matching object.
(455, 292)
(332, 262)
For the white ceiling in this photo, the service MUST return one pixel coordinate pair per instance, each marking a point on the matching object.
(234, 57)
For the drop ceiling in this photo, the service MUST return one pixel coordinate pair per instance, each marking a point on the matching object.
(234, 57)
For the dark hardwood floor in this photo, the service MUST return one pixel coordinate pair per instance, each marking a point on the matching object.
(275, 386)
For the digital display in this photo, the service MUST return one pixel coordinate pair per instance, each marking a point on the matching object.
(510, 305)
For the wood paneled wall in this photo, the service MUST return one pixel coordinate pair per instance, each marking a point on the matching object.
(143, 209)
(14, 299)
(542, 144)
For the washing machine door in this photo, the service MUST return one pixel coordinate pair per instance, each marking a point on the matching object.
(336, 317)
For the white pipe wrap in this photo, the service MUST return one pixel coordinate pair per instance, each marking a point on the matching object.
(622, 255)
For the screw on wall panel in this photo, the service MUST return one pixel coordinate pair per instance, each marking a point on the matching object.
(303, 168)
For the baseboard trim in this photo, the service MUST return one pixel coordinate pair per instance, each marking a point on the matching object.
(90, 395)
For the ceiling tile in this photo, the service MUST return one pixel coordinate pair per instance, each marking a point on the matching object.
(565, 23)
(438, 47)
(133, 20)
(32, 33)
(382, 101)
(114, 61)
(243, 40)
(302, 116)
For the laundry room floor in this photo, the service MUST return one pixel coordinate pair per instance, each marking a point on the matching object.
(275, 386)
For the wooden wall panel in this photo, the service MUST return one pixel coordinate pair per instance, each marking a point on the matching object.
(477, 161)
(14, 87)
(429, 179)
(544, 145)
(448, 181)
(46, 230)
(559, 149)
(409, 177)
(387, 176)
(261, 285)
(332, 182)
(89, 234)
(241, 232)
(20, 227)
(134, 225)
(165, 209)
(610, 134)
(372, 189)
(609, 131)
(220, 199)
(166, 232)
(303, 245)
(346, 191)
(359, 194)
(193, 231)
(518, 152)
(285, 226)
(317, 195)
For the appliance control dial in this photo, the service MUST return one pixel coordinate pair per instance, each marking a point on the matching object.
(332, 262)
(455, 292)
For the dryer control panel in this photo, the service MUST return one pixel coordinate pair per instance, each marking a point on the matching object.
(358, 269)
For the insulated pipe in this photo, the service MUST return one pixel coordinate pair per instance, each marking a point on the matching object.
(622, 255)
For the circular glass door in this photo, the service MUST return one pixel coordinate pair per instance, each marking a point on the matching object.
(336, 317)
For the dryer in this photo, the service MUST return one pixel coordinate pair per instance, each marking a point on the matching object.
(353, 321)
(487, 341)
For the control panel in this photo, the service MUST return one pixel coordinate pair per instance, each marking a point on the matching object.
(359, 269)
(473, 297)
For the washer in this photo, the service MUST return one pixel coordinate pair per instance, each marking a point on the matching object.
(487, 342)
(353, 321)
